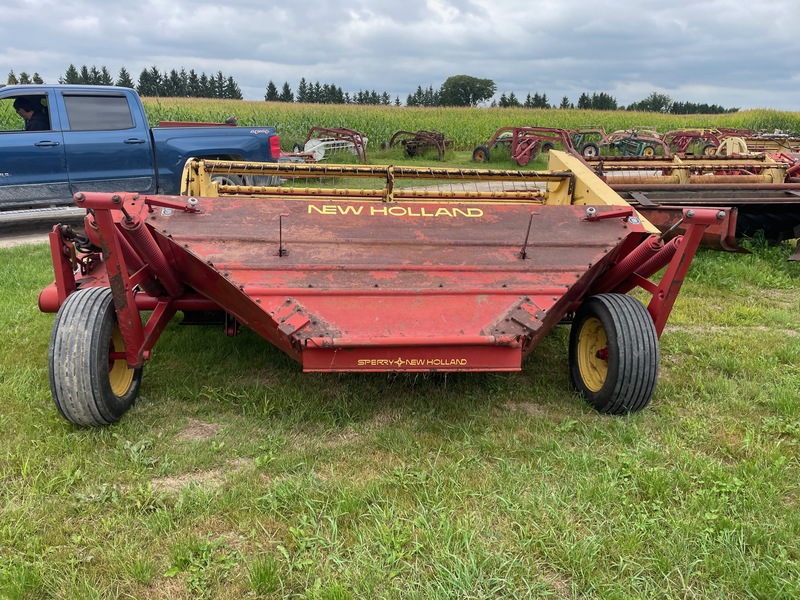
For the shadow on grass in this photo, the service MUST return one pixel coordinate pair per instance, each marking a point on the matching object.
(199, 371)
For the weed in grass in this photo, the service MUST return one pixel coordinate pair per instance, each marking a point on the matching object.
(206, 563)
(264, 576)
(141, 569)
(20, 581)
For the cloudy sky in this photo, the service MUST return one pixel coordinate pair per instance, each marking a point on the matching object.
(735, 53)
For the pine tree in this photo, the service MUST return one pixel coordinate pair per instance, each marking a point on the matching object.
(12, 79)
(105, 77)
(302, 90)
(528, 101)
(124, 78)
(271, 94)
(286, 93)
(193, 89)
(231, 90)
(71, 76)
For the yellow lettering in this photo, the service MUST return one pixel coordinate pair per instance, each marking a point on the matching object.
(395, 211)
(352, 210)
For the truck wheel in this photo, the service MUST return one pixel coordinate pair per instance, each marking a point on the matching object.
(88, 386)
(590, 150)
(480, 154)
(614, 354)
(227, 179)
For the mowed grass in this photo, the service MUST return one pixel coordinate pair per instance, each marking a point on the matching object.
(238, 476)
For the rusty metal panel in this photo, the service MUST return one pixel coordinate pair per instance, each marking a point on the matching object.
(359, 279)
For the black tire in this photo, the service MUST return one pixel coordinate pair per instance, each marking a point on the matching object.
(480, 154)
(546, 147)
(590, 150)
(709, 150)
(298, 147)
(224, 179)
(88, 388)
(614, 354)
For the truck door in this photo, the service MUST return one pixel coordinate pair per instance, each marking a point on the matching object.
(108, 145)
(33, 170)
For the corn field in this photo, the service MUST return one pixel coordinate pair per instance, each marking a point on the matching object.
(467, 127)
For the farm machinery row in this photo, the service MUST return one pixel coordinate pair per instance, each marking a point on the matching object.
(755, 176)
(762, 192)
(525, 143)
(322, 143)
(364, 268)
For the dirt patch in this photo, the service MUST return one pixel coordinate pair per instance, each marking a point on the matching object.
(175, 483)
(529, 408)
(211, 479)
(305, 440)
(196, 431)
(164, 588)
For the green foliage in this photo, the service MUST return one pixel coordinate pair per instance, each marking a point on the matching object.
(655, 102)
(465, 90)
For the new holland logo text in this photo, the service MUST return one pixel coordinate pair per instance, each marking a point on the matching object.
(412, 362)
(395, 211)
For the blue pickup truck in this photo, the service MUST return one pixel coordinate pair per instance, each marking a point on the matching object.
(99, 140)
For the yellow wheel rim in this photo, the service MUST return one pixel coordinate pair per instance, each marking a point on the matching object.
(120, 375)
(592, 354)
(648, 151)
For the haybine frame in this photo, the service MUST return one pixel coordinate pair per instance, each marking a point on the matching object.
(400, 270)
(760, 193)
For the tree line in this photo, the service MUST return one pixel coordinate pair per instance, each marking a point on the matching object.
(151, 82)
(326, 93)
(457, 90)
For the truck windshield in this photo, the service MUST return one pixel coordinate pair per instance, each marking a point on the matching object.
(95, 113)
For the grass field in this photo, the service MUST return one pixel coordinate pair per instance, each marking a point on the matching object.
(237, 476)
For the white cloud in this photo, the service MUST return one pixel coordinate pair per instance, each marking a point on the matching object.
(728, 52)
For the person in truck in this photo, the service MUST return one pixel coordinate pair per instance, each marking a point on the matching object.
(33, 112)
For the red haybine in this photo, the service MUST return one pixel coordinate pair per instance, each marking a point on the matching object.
(401, 269)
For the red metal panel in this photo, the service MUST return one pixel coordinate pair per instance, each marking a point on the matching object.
(440, 359)
(372, 281)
